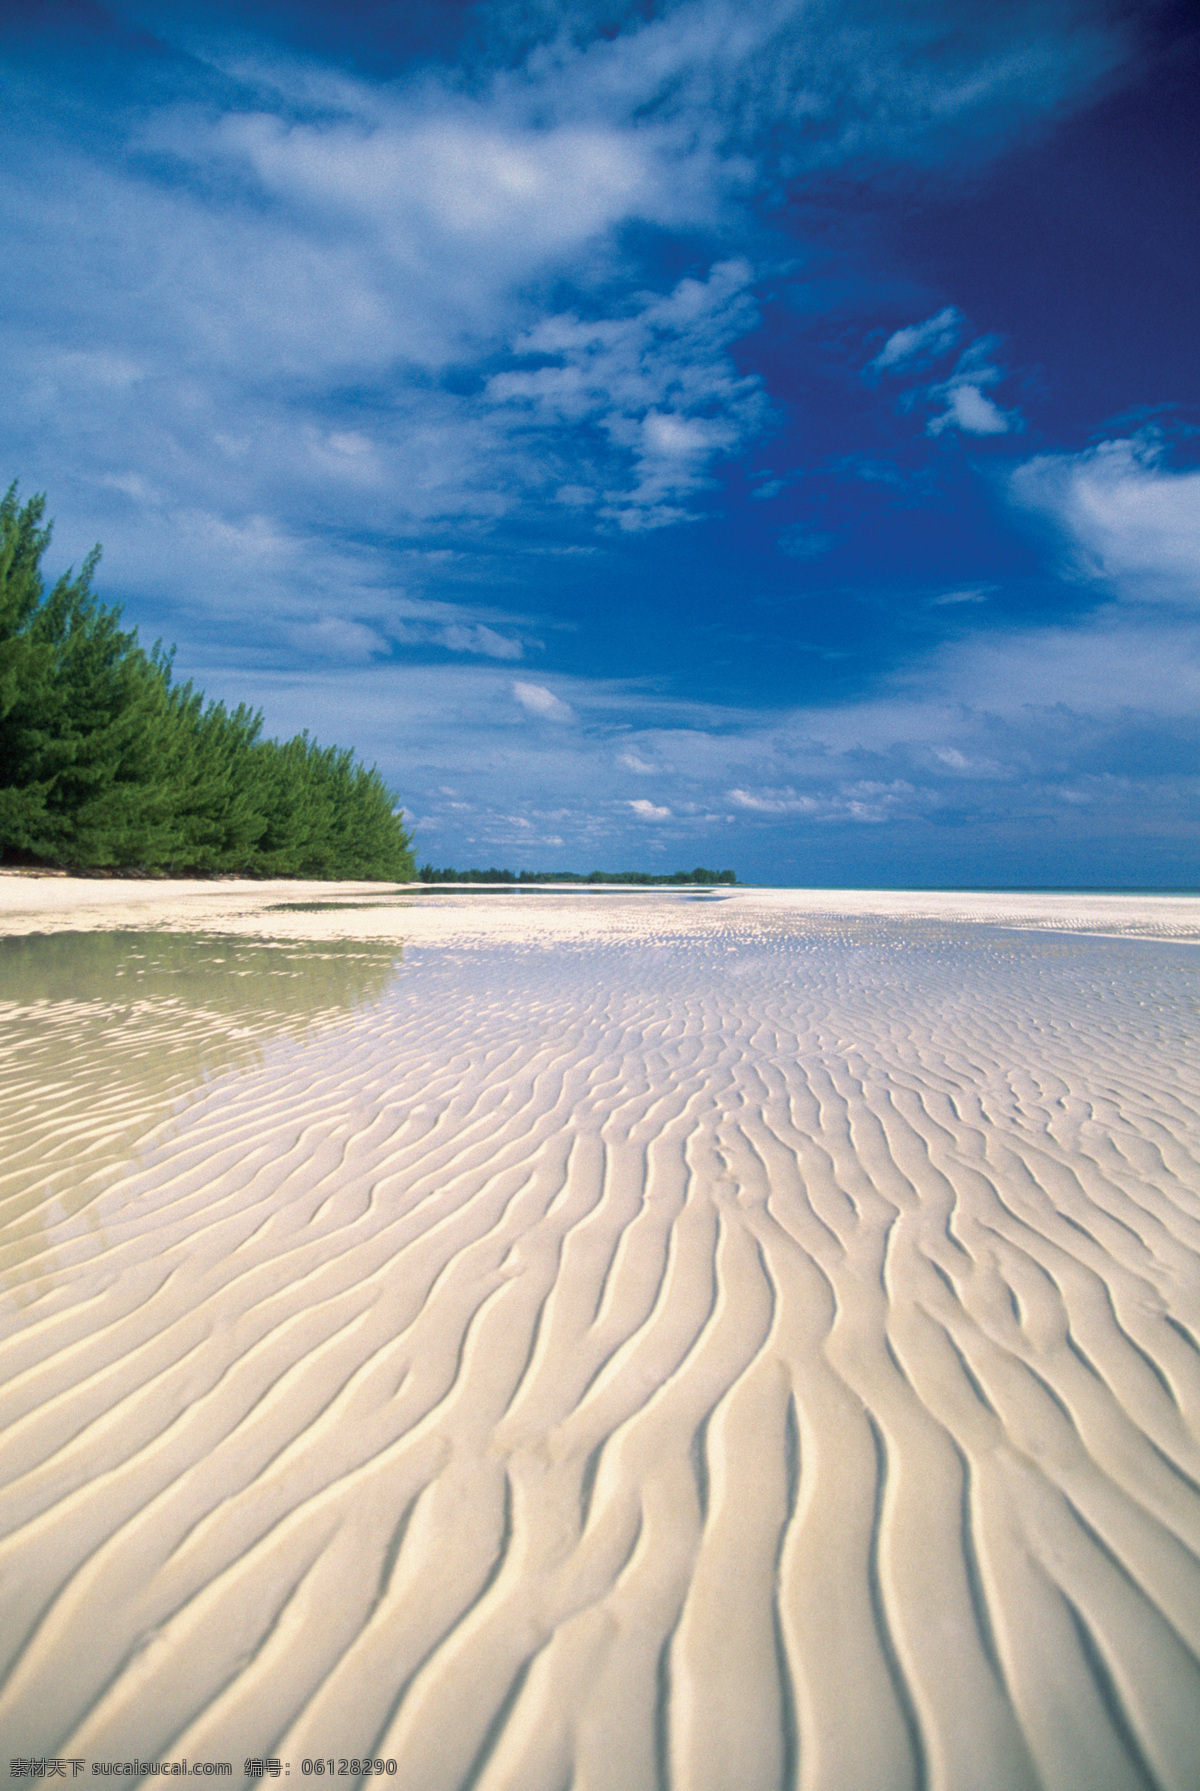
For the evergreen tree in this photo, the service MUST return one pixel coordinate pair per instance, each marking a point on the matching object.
(82, 732)
(218, 812)
(104, 761)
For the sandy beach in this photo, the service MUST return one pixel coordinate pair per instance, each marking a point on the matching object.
(617, 1341)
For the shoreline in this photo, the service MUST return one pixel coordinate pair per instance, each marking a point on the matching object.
(312, 908)
(23, 893)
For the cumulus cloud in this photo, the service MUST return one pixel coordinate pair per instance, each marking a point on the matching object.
(270, 294)
(863, 801)
(919, 342)
(971, 410)
(773, 802)
(537, 700)
(234, 267)
(657, 382)
(335, 637)
(965, 404)
(398, 221)
(1127, 518)
(968, 406)
(455, 174)
(298, 353)
(1050, 734)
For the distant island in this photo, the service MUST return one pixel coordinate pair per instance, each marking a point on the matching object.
(652, 879)
(107, 763)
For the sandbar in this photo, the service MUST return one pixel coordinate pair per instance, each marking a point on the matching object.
(624, 1340)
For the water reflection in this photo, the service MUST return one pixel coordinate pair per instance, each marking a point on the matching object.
(103, 1035)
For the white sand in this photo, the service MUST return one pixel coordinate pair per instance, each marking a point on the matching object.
(40, 901)
(52, 903)
(721, 1343)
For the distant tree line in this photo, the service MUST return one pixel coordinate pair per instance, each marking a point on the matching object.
(106, 761)
(427, 874)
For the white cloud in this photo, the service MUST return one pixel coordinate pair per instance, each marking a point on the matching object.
(1129, 520)
(657, 382)
(863, 801)
(967, 405)
(978, 739)
(972, 594)
(774, 802)
(335, 637)
(919, 342)
(456, 173)
(430, 209)
(236, 267)
(1103, 672)
(814, 82)
(537, 700)
(280, 264)
(289, 315)
(969, 409)
(480, 639)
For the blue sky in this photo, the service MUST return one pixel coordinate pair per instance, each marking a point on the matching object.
(745, 432)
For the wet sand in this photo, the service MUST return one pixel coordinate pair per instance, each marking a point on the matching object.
(604, 1341)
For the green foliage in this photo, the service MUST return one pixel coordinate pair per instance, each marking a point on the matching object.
(105, 761)
(643, 879)
(427, 874)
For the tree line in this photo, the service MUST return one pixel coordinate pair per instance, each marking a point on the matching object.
(107, 761)
(649, 879)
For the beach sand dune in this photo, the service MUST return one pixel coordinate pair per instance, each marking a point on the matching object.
(710, 1345)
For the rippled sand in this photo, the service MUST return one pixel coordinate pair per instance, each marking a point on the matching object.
(615, 1343)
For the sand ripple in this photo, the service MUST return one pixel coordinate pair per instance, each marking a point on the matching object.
(756, 1354)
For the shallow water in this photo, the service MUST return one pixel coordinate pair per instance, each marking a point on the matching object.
(766, 1355)
(103, 1035)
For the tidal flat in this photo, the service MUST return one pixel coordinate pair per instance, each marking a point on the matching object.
(615, 1342)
